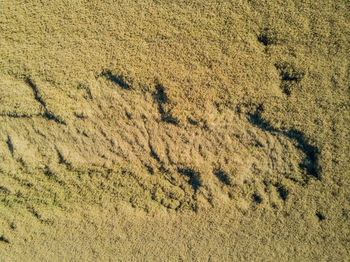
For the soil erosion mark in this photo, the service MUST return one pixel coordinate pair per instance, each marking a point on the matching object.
(290, 77)
(116, 79)
(4, 240)
(47, 114)
(267, 37)
(161, 98)
(222, 176)
(310, 163)
(194, 177)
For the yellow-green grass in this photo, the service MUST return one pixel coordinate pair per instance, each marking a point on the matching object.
(174, 130)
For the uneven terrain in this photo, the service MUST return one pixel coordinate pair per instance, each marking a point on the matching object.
(174, 130)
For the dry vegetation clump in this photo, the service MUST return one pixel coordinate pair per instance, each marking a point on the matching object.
(196, 130)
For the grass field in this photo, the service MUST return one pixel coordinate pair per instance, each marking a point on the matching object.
(174, 130)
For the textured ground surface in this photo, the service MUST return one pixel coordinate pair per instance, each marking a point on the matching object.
(182, 131)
